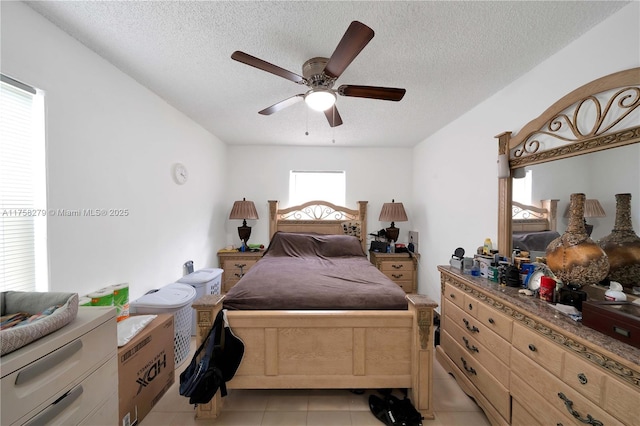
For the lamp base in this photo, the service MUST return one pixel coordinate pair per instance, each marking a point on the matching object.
(588, 228)
(244, 232)
(392, 233)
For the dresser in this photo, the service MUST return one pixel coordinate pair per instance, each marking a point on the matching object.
(68, 377)
(526, 364)
(235, 264)
(401, 268)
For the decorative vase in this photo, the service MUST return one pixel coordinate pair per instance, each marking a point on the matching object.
(623, 246)
(573, 257)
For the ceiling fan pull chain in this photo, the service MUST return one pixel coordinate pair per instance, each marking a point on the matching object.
(307, 124)
(333, 128)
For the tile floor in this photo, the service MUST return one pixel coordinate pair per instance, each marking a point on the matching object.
(311, 407)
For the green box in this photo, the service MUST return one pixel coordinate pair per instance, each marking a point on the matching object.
(492, 274)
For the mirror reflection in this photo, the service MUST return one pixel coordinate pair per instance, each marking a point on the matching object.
(599, 175)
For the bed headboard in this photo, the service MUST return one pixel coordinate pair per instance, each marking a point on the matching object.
(321, 217)
(596, 116)
(533, 218)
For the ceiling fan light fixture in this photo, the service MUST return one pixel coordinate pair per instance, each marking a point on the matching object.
(320, 99)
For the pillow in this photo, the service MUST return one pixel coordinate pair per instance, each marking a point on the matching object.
(295, 244)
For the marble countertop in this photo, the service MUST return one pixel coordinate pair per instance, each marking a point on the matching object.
(546, 312)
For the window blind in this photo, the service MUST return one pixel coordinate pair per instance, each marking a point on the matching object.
(18, 180)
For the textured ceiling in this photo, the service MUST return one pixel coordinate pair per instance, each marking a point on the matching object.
(450, 56)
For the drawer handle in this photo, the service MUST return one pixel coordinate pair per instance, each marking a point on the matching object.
(453, 296)
(241, 266)
(472, 348)
(472, 329)
(470, 307)
(397, 266)
(491, 321)
(532, 347)
(569, 404)
(397, 276)
(468, 369)
(582, 379)
(57, 407)
(48, 362)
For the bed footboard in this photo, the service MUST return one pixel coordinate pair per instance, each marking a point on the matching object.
(329, 349)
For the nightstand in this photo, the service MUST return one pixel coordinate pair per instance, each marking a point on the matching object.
(235, 264)
(401, 268)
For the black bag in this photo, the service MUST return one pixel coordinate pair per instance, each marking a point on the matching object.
(202, 378)
(393, 411)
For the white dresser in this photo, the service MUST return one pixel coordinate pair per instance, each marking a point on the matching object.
(68, 377)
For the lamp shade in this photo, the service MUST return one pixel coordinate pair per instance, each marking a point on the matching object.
(393, 212)
(320, 99)
(592, 208)
(243, 210)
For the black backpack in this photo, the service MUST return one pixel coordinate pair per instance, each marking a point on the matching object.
(224, 351)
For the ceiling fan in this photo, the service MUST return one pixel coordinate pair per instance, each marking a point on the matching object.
(320, 74)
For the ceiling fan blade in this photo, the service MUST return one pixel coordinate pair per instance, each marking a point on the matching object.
(281, 105)
(333, 116)
(353, 41)
(245, 58)
(372, 92)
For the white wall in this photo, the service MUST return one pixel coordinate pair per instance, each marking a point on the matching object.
(376, 175)
(454, 175)
(111, 143)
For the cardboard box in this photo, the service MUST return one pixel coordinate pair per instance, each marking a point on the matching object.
(145, 369)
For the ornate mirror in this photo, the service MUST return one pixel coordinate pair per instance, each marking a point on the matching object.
(585, 142)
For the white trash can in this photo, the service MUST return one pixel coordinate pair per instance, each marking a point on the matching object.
(176, 299)
(205, 281)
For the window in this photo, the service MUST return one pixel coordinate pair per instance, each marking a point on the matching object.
(305, 185)
(521, 190)
(23, 254)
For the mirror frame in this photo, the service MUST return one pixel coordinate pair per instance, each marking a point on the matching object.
(524, 149)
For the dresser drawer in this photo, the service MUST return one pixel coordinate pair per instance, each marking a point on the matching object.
(538, 348)
(558, 394)
(520, 416)
(495, 393)
(584, 377)
(495, 321)
(479, 353)
(470, 305)
(454, 295)
(55, 373)
(80, 400)
(234, 269)
(407, 286)
(474, 328)
(534, 408)
(622, 401)
(402, 275)
(397, 265)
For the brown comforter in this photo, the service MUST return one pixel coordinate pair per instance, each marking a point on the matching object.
(313, 271)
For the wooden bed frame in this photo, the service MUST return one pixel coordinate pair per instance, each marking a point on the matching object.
(342, 349)
(533, 218)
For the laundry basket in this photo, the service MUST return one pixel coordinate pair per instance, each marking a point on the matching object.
(174, 298)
